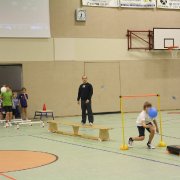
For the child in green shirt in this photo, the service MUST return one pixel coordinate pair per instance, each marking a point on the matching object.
(7, 105)
(1, 115)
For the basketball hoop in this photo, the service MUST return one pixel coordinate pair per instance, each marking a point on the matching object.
(174, 51)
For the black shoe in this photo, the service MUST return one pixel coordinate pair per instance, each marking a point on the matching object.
(130, 142)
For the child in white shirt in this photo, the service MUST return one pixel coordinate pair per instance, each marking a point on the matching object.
(145, 122)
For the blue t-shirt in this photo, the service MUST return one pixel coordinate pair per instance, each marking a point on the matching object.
(15, 103)
(23, 99)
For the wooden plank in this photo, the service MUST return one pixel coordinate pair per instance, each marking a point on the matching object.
(78, 135)
(80, 125)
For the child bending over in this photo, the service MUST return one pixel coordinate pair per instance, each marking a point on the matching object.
(145, 122)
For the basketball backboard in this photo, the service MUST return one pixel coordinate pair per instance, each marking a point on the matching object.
(166, 37)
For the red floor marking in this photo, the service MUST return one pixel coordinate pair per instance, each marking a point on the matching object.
(8, 177)
(15, 160)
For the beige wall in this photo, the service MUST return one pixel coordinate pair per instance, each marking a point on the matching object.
(101, 49)
(106, 81)
(106, 22)
(74, 49)
(147, 77)
(14, 50)
(102, 37)
(53, 83)
(56, 84)
(52, 68)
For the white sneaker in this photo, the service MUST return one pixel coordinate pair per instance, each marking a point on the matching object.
(91, 124)
(83, 124)
(150, 146)
(6, 125)
(10, 124)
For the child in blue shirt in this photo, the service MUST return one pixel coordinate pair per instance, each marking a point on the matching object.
(15, 106)
(23, 99)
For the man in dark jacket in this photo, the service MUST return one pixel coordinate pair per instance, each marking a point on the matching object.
(85, 94)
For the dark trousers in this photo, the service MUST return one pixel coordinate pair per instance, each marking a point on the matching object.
(86, 107)
(16, 112)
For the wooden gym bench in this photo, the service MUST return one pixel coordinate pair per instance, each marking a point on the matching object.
(103, 131)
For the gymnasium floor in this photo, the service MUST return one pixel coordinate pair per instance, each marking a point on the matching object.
(87, 159)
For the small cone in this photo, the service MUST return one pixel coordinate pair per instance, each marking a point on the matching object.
(44, 107)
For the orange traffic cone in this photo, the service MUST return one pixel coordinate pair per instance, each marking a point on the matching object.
(44, 107)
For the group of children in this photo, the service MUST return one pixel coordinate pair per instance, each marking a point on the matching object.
(11, 104)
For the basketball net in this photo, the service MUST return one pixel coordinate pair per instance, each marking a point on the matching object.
(174, 51)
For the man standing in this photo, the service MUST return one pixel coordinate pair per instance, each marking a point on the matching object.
(85, 94)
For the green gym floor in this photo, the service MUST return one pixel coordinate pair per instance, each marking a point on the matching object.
(82, 159)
